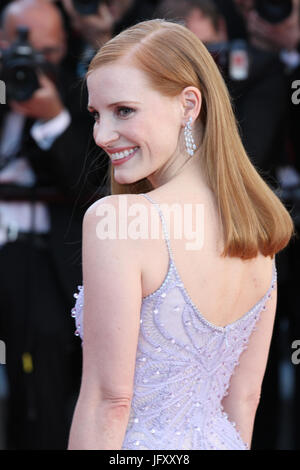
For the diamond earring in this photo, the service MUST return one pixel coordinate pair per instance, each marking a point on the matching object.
(189, 141)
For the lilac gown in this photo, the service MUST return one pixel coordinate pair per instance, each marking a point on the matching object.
(183, 368)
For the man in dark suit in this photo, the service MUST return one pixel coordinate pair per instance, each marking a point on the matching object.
(44, 153)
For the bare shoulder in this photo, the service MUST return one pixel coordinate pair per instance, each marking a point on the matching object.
(113, 200)
(107, 220)
(114, 205)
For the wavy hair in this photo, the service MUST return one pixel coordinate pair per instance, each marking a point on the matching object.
(253, 217)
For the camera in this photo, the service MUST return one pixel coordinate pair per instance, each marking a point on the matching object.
(273, 11)
(18, 68)
(87, 7)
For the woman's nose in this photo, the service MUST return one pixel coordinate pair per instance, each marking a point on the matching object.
(104, 135)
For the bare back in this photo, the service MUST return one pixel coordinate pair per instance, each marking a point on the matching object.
(222, 289)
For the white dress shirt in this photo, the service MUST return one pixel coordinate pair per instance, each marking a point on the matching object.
(22, 215)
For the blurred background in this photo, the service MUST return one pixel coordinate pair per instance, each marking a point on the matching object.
(51, 171)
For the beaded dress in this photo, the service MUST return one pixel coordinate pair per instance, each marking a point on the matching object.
(183, 368)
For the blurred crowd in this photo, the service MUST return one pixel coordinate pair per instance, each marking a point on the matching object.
(51, 171)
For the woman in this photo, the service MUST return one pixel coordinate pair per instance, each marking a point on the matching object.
(163, 366)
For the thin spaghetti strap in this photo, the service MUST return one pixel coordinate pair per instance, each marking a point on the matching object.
(274, 279)
(164, 225)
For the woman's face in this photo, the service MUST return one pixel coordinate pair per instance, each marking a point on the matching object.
(131, 117)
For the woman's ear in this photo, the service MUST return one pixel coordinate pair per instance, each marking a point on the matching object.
(191, 102)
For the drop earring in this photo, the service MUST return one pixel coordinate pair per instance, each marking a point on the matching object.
(189, 141)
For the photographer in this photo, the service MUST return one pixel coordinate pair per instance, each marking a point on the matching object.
(97, 21)
(271, 25)
(43, 153)
(93, 21)
(275, 27)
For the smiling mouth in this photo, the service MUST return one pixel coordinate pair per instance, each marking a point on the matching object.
(120, 155)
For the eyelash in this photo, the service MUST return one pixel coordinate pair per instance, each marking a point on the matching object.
(95, 114)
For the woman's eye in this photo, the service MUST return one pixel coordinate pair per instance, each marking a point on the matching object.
(123, 111)
(126, 110)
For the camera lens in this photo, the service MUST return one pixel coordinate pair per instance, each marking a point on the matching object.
(21, 82)
(274, 11)
(86, 7)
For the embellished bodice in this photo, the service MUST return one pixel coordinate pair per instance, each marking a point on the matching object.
(183, 368)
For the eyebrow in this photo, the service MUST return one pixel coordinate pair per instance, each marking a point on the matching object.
(90, 107)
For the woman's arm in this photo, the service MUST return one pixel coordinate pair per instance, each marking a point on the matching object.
(112, 302)
(245, 386)
(98, 427)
